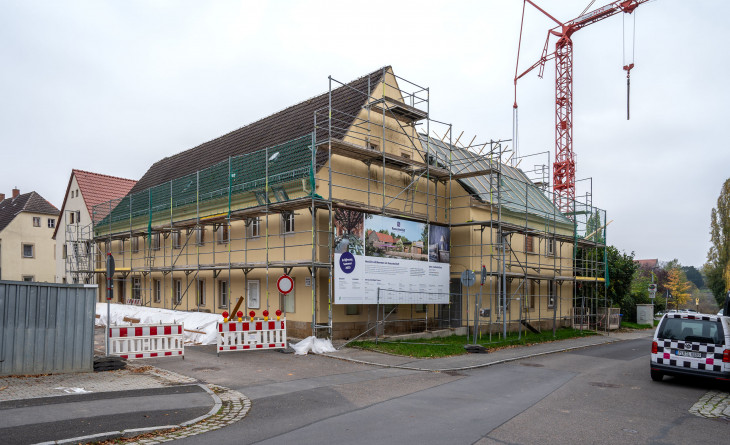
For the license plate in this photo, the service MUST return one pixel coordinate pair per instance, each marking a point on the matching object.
(691, 354)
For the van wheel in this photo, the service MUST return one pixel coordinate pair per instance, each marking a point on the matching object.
(656, 376)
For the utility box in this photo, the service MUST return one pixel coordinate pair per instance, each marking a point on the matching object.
(645, 314)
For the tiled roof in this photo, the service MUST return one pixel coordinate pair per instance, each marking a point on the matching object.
(28, 202)
(286, 125)
(383, 237)
(96, 189)
(649, 264)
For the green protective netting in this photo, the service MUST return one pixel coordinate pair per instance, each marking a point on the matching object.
(258, 171)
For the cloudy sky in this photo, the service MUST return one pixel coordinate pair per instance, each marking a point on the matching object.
(113, 86)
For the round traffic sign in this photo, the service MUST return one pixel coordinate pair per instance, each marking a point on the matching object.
(468, 278)
(285, 284)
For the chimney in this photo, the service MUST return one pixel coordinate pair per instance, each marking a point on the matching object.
(2, 197)
(16, 192)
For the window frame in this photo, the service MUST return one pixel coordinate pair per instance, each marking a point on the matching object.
(254, 227)
(287, 222)
(255, 302)
(51, 223)
(32, 250)
(199, 292)
(223, 293)
(136, 288)
(36, 221)
(157, 289)
(223, 234)
(286, 299)
(177, 291)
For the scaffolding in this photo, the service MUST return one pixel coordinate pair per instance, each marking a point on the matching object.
(384, 156)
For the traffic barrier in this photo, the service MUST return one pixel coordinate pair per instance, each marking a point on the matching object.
(147, 340)
(251, 335)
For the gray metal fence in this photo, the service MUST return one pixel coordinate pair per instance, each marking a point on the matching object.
(46, 328)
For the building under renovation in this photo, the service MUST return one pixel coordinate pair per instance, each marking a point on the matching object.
(376, 210)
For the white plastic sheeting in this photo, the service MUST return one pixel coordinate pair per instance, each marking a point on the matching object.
(196, 321)
(314, 344)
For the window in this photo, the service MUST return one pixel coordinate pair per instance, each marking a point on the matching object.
(178, 291)
(28, 278)
(222, 233)
(550, 246)
(223, 294)
(158, 290)
(529, 244)
(551, 294)
(176, 239)
(200, 293)
(420, 308)
(352, 309)
(135, 244)
(200, 236)
(51, 223)
(28, 251)
(136, 288)
(71, 217)
(287, 302)
(288, 220)
(155, 241)
(65, 251)
(529, 295)
(120, 291)
(254, 227)
(252, 294)
(36, 221)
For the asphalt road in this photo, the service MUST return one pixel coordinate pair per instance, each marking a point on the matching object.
(596, 395)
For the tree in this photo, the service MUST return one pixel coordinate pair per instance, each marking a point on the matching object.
(679, 287)
(717, 268)
(621, 270)
(594, 228)
(694, 275)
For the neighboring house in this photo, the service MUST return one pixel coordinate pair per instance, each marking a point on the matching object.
(27, 222)
(225, 219)
(647, 264)
(73, 233)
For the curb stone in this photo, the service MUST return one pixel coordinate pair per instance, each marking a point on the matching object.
(229, 407)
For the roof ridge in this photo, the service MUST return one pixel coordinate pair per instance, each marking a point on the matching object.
(274, 114)
(76, 170)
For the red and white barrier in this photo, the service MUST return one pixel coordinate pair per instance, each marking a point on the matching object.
(147, 340)
(251, 335)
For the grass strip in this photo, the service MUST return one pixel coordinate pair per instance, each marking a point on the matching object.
(454, 345)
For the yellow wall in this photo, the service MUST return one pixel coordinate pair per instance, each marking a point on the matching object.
(42, 266)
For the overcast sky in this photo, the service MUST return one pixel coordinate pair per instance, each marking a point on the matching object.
(113, 86)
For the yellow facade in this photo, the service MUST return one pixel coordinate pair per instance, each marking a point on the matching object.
(206, 255)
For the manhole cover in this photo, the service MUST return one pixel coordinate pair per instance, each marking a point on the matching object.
(533, 365)
(605, 385)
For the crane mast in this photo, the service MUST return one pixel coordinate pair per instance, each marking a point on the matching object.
(564, 164)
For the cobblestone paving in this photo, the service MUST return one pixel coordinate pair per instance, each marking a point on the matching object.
(713, 405)
(233, 407)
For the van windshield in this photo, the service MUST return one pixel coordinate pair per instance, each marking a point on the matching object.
(701, 331)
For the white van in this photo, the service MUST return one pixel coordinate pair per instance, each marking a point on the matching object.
(691, 344)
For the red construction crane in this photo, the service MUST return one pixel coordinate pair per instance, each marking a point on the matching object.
(564, 165)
